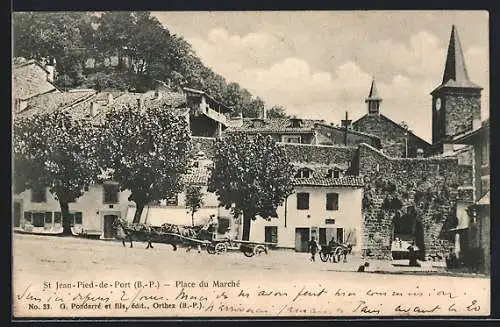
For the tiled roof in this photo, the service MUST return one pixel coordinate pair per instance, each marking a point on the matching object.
(274, 125)
(124, 99)
(319, 169)
(29, 79)
(349, 181)
(53, 101)
(197, 176)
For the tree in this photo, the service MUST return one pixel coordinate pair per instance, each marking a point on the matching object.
(254, 108)
(277, 112)
(53, 150)
(194, 200)
(252, 176)
(147, 152)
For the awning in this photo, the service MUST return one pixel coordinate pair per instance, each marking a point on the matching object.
(485, 200)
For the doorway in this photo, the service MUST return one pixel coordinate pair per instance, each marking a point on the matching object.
(301, 239)
(109, 230)
(17, 214)
(407, 229)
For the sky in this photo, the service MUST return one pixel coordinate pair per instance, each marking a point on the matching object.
(320, 64)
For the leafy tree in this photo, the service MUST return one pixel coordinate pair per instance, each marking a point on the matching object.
(252, 176)
(254, 108)
(277, 112)
(53, 150)
(147, 152)
(194, 200)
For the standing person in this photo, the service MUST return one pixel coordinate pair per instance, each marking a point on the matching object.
(313, 248)
(413, 255)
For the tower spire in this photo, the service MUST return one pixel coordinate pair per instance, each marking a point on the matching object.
(373, 99)
(455, 68)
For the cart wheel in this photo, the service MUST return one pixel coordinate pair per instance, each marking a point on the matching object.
(324, 256)
(259, 249)
(248, 253)
(338, 254)
(211, 249)
(220, 248)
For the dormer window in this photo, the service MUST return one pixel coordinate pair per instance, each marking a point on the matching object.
(333, 173)
(303, 173)
(295, 123)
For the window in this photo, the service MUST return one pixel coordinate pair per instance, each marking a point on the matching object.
(38, 194)
(173, 201)
(48, 218)
(27, 216)
(38, 219)
(291, 139)
(57, 218)
(303, 173)
(77, 218)
(332, 201)
(271, 234)
(333, 173)
(110, 192)
(302, 201)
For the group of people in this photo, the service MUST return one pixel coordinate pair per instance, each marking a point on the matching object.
(314, 247)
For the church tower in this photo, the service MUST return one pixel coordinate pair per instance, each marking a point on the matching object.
(456, 103)
(373, 100)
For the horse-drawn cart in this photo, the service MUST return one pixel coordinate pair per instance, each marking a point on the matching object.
(334, 251)
(248, 248)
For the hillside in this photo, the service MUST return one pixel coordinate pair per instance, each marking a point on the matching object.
(123, 51)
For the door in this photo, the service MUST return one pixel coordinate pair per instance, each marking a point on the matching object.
(340, 235)
(302, 239)
(109, 230)
(17, 214)
(322, 236)
(271, 234)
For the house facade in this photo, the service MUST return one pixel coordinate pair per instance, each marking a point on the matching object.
(479, 216)
(322, 208)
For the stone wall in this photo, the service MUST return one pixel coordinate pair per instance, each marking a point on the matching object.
(461, 109)
(323, 154)
(337, 136)
(392, 136)
(429, 185)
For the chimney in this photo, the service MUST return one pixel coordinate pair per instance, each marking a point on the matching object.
(50, 72)
(264, 113)
(110, 99)
(139, 104)
(157, 95)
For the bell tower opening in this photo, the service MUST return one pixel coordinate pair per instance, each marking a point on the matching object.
(373, 100)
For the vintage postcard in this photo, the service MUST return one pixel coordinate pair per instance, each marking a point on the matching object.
(250, 164)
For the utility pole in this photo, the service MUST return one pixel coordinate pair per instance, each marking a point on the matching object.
(346, 122)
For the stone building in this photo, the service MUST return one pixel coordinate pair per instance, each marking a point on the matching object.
(396, 140)
(479, 225)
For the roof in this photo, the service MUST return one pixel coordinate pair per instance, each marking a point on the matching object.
(349, 181)
(349, 131)
(373, 95)
(392, 122)
(274, 125)
(485, 200)
(197, 176)
(50, 102)
(29, 79)
(211, 99)
(472, 135)
(103, 104)
(455, 72)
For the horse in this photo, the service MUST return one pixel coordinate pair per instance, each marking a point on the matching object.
(162, 234)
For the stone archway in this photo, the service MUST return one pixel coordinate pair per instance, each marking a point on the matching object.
(409, 228)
